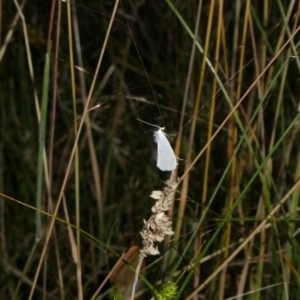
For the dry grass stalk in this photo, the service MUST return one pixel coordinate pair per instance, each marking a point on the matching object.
(158, 225)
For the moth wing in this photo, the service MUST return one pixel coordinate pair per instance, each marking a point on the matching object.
(166, 160)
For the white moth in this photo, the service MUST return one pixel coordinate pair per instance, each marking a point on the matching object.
(166, 159)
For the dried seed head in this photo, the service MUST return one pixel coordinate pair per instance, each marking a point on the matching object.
(156, 195)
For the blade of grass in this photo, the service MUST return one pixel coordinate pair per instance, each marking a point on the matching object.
(77, 258)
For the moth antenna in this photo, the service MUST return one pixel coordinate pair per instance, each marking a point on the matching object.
(151, 124)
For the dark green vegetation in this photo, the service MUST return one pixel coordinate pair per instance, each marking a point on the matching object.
(75, 190)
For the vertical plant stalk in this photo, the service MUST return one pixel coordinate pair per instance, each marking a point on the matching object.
(96, 172)
(42, 133)
(233, 136)
(158, 225)
(76, 159)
